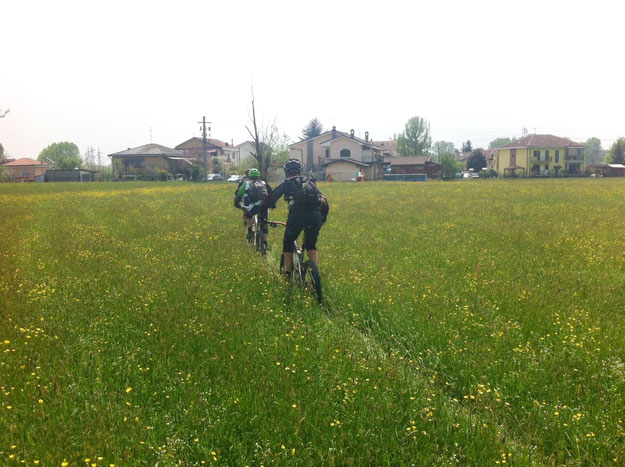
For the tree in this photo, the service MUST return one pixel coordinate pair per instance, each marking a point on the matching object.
(594, 153)
(449, 166)
(415, 140)
(467, 147)
(314, 128)
(1, 152)
(4, 114)
(272, 148)
(62, 156)
(441, 147)
(498, 142)
(476, 160)
(616, 154)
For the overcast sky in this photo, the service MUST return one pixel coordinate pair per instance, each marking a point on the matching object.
(103, 74)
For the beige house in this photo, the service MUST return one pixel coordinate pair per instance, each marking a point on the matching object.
(344, 156)
(150, 161)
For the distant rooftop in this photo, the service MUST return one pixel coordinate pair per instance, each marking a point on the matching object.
(541, 141)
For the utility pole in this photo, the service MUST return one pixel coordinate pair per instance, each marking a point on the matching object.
(203, 128)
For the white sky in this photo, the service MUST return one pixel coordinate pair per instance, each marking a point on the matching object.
(102, 74)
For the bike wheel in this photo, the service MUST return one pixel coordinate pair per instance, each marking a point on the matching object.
(311, 279)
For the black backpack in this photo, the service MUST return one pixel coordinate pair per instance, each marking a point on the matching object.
(257, 191)
(304, 193)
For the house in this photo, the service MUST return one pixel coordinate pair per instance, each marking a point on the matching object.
(344, 156)
(491, 156)
(245, 150)
(151, 161)
(462, 157)
(605, 170)
(25, 169)
(411, 165)
(389, 147)
(540, 155)
(226, 153)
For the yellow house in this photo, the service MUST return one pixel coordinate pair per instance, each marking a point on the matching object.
(540, 155)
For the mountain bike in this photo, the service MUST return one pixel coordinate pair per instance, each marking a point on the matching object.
(257, 239)
(304, 273)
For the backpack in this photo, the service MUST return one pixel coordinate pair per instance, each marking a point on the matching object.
(304, 193)
(257, 191)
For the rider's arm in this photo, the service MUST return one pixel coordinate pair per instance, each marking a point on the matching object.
(274, 195)
(241, 191)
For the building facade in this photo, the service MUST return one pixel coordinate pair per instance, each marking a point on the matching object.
(540, 155)
(25, 169)
(151, 161)
(343, 156)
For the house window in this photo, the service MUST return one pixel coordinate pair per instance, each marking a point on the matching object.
(346, 153)
(557, 156)
(547, 155)
(536, 154)
(327, 153)
(512, 157)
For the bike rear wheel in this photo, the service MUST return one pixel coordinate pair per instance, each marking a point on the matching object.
(311, 279)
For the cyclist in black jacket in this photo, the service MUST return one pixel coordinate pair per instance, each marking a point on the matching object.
(308, 211)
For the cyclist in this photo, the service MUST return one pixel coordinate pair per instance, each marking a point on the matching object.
(256, 191)
(308, 211)
(245, 198)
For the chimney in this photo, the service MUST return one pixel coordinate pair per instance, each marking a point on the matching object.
(333, 132)
(366, 136)
(351, 133)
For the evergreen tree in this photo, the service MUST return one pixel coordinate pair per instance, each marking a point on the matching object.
(314, 128)
(616, 155)
(467, 147)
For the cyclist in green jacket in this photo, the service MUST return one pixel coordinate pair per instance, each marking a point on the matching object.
(256, 191)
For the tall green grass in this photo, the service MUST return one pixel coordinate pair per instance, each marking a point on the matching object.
(474, 322)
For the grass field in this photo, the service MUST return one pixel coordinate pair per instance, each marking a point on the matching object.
(476, 322)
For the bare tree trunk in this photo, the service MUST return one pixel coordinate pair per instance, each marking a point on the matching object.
(263, 160)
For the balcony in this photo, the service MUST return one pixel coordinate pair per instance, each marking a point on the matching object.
(574, 158)
(542, 160)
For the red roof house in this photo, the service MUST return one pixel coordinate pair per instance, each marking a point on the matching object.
(26, 169)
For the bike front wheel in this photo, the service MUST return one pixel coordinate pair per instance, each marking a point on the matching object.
(311, 279)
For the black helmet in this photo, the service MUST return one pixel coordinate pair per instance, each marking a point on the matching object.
(293, 165)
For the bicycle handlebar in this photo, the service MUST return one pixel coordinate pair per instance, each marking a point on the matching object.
(275, 223)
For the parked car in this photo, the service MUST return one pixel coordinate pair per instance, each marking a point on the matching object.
(213, 177)
(235, 178)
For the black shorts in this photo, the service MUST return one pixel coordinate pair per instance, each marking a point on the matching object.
(309, 222)
(261, 217)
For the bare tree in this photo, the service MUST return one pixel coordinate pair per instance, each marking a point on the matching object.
(3, 114)
(271, 147)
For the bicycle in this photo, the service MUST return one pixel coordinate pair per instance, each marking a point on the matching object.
(257, 238)
(305, 273)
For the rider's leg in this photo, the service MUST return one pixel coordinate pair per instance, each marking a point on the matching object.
(312, 255)
(288, 261)
(264, 228)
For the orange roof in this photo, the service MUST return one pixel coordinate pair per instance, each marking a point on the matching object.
(541, 141)
(25, 162)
